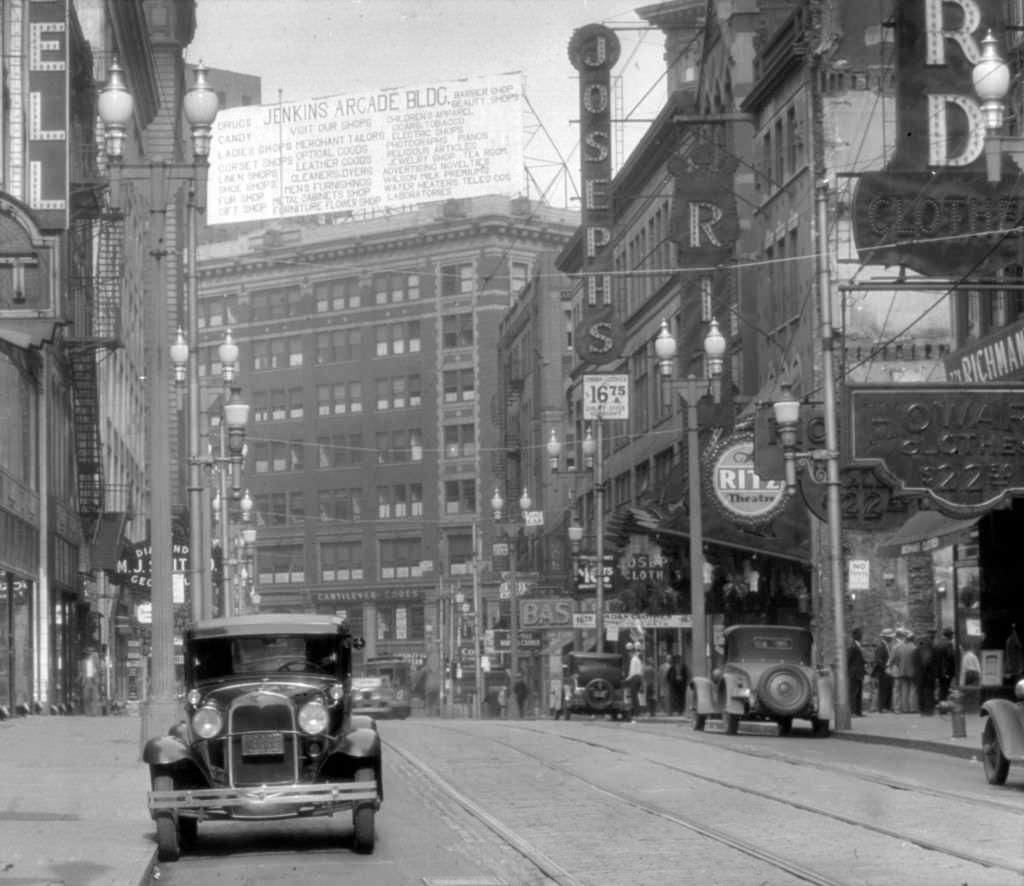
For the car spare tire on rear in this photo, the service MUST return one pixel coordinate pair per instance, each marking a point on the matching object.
(784, 690)
(599, 694)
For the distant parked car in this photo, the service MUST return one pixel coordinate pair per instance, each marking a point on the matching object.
(594, 684)
(1002, 739)
(376, 697)
(767, 674)
(269, 731)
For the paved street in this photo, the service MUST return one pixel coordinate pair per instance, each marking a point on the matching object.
(73, 805)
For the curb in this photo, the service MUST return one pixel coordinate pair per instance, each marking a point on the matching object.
(964, 752)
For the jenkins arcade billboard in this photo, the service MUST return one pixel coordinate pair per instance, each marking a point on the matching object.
(932, 208)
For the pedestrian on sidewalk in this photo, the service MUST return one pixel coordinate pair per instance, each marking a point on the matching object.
(665, 685)
(650, 688)
(521, 690)
(855, 672)
(945, 661)
(89, 680)
(679, 680)
(907, 674)
(634, 679)
(881, 670)
(925, 668)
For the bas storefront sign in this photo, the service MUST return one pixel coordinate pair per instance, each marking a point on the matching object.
(963, 448)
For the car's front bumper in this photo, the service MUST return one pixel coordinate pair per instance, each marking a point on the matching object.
(266, 801)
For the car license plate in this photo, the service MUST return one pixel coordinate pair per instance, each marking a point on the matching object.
(262, 744)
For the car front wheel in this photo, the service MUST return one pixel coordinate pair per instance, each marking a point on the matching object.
(167, 846)
(997, 767)
(363, 819)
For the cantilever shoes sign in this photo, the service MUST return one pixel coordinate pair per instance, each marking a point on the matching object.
(932, 208)
(961, 447)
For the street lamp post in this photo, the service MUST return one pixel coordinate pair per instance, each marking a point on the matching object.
(115, 107)
(497, 506)
(991, 77)
(691, 390)
(593, 458)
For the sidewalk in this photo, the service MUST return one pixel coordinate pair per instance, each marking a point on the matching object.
(73, 802)
(73, 791)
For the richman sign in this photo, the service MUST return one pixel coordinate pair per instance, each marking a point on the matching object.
(737, 488)
(962, 447)
(932, 208)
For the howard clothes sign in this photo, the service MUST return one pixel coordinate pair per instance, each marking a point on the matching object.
(962, 448)
(933, 209)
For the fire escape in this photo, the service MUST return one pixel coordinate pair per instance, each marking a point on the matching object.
(94, 262)
(505, 464)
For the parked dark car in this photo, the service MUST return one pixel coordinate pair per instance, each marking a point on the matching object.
(376, 697)
(268, 731)
(767, 674)
(1002, 739)
(594, 684)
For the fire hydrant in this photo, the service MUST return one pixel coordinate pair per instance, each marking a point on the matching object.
(956, 714)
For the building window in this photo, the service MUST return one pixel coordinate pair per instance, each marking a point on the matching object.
(281, 564)
(460, 554)
(457, 279)
(460, 497)
(340, 451)
(337, 295)
(395, 288)
(457, 331)
(401, 558)
(341, 561)
(338, 346)
(339, 504)
(275, 304)
(394, 339)
(458, 385)
(400, 622)
(339, 399)
(518, 277)
(459, 440)
(400, 446)
(400, 501)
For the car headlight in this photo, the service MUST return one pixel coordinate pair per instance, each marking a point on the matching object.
(313, 718)
(207, 722)
(1018, 690)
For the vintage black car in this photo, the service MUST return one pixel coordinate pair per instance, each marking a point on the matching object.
(593, 683)
(767, 674)
(1002, 739)
(268, 731)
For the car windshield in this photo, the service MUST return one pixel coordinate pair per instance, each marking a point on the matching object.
(218, 657)
(768, 646)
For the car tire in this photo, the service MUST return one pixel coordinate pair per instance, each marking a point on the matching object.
(997, 767)
(785, 725)
(821, 728)
(599, 694)
(732, 723)
(364, 818)
(699, 722)
(168, 847)
(784, 690)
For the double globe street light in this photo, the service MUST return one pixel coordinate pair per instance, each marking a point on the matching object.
(116, 110)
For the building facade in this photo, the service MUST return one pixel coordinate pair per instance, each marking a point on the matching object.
(368, 355)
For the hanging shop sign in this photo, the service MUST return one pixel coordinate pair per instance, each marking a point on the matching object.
(963, 447)
(47, 118)
(594, 50)
(737, 489)
(932, 209)
(997, 357)
(705, 223)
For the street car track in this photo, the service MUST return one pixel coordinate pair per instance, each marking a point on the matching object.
(697, 824)
(868, 776)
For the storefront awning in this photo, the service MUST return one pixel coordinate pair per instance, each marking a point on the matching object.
(926, 531)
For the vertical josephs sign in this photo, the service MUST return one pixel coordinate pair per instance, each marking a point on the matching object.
(593, 51)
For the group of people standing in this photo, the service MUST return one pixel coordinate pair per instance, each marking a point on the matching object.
(648, 687)
(906, 674)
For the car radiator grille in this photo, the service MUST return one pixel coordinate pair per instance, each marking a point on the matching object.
(263, 746)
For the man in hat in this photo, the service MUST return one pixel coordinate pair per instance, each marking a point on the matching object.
(855, 672)
(945, 662)
(880, 671)
(906, 673)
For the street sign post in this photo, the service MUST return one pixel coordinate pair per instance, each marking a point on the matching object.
(605, 397)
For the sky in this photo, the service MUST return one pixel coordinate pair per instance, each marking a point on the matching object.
(310, 48)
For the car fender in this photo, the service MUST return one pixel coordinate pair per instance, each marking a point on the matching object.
(826, 697)
(705, 698)
(165, 750)
(362, 741)
(1008, 718)
(735, 693)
